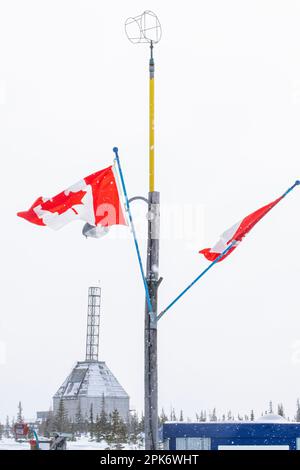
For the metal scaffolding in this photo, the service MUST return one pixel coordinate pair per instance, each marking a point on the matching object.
(93, 324)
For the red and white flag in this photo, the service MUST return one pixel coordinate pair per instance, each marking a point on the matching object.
(237, 232)
(95, 199)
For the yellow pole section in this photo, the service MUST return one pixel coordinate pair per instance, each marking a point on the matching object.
(151, 125)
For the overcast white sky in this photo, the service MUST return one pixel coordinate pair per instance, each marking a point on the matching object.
(227, 142)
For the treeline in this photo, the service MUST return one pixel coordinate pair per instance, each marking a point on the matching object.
(204, 415)
(115, 431)
(110, 428)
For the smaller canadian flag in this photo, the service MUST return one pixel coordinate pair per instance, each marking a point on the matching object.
(95, 199)
(237, 232)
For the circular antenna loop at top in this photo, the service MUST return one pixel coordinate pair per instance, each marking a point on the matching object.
(144, 28)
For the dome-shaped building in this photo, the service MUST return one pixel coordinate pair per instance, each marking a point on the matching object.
(91, 383)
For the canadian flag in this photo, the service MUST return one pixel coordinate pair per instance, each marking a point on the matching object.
(237, 232)
(95, 199)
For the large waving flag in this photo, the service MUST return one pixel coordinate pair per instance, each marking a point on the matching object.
(95, 199)
(237, 232)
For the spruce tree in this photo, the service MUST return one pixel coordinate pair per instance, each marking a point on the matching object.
(97, 430)
(181, 416)
(118, 430)
(7, 428)
(91, 424)
(49, 426)
(252, 416)
(61, 418)
(163, 417)
(270, 407)
(134, 428)
(104, 425)
(280, 410)
(79, 421)
(20, 418)
(213, 416)
(173, 415)
(142, 423)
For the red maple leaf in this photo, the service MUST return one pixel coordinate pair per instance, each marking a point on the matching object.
(62, 202)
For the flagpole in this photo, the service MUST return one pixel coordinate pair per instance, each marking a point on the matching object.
(148, 300)
(162, 313)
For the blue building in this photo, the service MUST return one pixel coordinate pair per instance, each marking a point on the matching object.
(271, 432)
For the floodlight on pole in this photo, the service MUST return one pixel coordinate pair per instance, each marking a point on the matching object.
(143, 28)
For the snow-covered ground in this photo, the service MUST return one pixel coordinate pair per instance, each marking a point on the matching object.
(11, 444)
(81, 444)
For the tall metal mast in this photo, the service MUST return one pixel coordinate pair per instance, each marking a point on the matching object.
(146, 28)
(93, 324)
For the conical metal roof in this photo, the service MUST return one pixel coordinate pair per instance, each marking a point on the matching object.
(91, 379)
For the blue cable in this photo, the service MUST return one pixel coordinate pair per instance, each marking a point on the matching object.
(149, 304)
(197, 279)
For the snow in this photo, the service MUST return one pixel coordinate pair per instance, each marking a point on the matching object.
(272, 418)
(94, 379)
(11, 444)
(81, 444)
(268, 418)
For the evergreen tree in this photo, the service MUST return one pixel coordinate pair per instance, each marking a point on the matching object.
(73, 428)
(213, 416)
(91, 424)
(7, 429)
(229, 416)
(297, 417)
(142, 423)
(61, 418)
(49, 426)
(270, 407)
(252, 416)
(104, 424)
(173, 415)
(97, 429)
(280, 410)
(1, 431)
(79, 421)
(20, 418)
(181, 416)
(118, 430)
(134, 428)
(163, 417)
